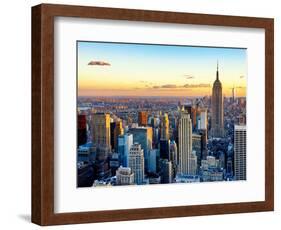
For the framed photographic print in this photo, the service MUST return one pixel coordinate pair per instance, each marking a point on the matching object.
(142, 114)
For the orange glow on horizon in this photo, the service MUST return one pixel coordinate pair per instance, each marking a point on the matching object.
(181, 92)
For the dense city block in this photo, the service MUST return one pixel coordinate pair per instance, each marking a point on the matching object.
(127, 140)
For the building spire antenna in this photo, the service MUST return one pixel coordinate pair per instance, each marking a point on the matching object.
(217, 70)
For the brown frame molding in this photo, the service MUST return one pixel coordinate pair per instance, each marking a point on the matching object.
(43, 113)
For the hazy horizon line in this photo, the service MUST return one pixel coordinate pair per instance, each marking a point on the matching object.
(158, 96)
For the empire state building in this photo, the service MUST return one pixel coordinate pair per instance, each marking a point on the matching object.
(217, 128)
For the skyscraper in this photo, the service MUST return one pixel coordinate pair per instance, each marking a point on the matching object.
(193, 164)
(165, 127)
(118, 130)
(240, 148)
(124, 145)
(112, 128)
(217, 129)
(142, 118)
(203, 119)
(185, 142)
(152, 160)
(192, 111)
(101, 130)
(156, 137)
(101, 167)
(143, 136)
(193, 116)
(174, 152)
(174, 156)
(203, 133)
(82, 130)
(197, 147)
(124, 176)
(164, 147)
(114, 162)
(101, 141)
(136, 163)
(166, 171)
(229, 166)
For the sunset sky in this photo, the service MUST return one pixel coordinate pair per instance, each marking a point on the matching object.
(116, 69)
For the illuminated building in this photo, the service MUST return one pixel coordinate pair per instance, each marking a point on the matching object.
(101, 130)
(185, 142)
(165, 127)
(217, 129)
(118, 130)
(142, 118)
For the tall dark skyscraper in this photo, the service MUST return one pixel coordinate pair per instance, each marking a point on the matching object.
(217, 129)
(164, 146)
(82, 129)
(112, 128)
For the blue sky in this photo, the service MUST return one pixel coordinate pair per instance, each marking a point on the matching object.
(145, 67)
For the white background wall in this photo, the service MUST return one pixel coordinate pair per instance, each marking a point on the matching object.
(15, 121)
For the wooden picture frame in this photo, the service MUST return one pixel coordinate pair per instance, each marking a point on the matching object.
(43, 113)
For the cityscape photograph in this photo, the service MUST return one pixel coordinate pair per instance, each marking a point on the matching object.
(160, 114)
